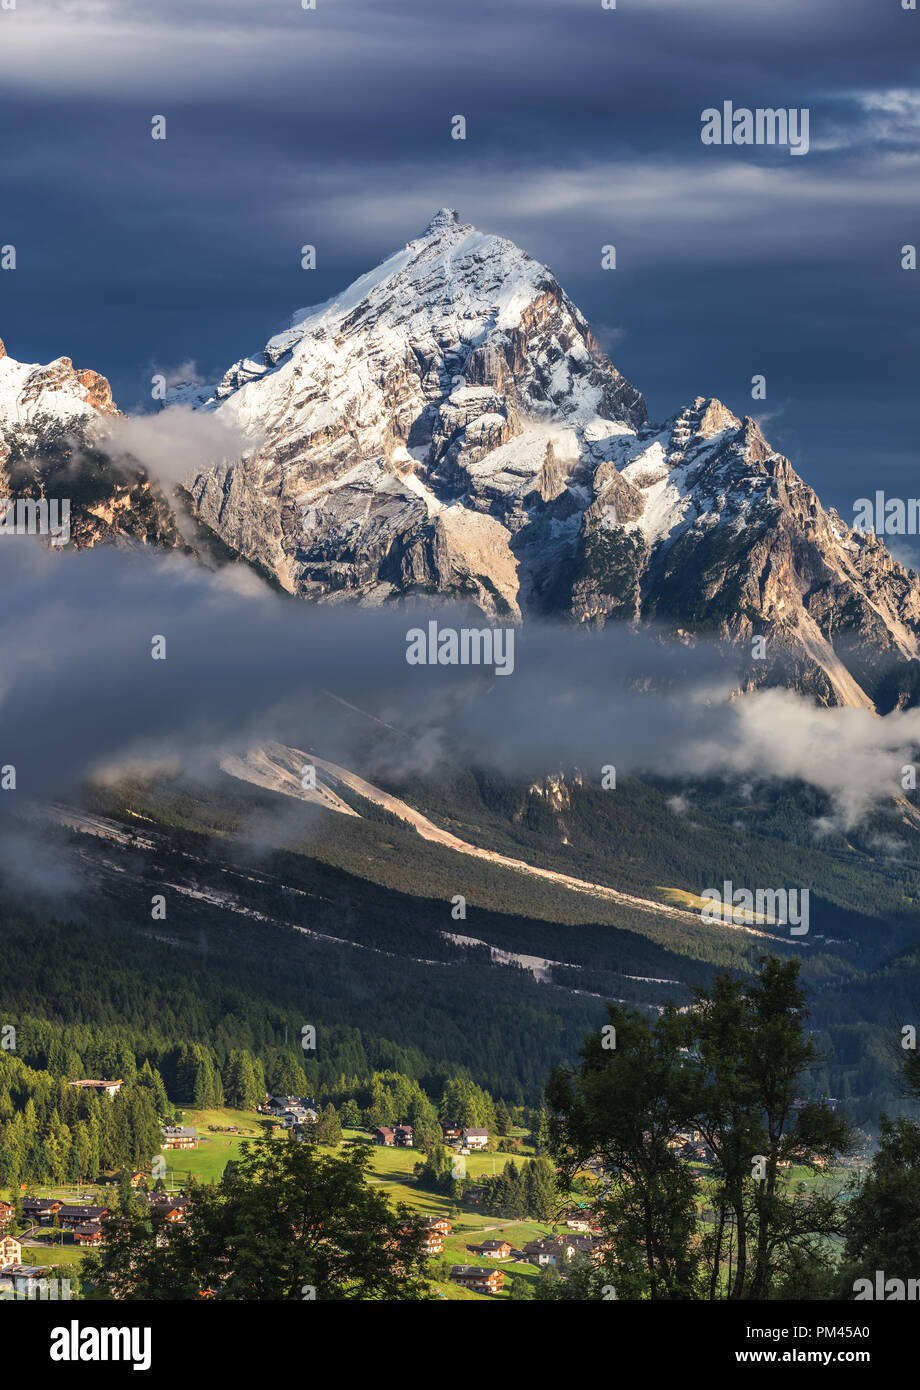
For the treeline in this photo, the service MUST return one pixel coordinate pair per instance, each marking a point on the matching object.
(51, 1131)
(199, 1076)
(228, 988)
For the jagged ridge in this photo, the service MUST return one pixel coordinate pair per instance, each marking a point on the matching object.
(448, 424)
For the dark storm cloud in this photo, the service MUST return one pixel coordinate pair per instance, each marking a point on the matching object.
(80, 693)
(331, 127)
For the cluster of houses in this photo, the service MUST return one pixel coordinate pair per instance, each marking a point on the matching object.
(82, 1220)
(293, 1111)
(580, 1239)
(554, 1250)
(691, 1145)
(467, 1141)
(85, 1222)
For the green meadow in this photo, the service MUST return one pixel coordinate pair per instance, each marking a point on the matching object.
(391, 1170)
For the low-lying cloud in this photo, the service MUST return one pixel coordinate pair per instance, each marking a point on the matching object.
(80, 693)
(176, 443)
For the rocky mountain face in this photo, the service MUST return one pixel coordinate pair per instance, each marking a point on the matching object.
(701, 526)
(48, 416)
(448, 424)
(420, 430)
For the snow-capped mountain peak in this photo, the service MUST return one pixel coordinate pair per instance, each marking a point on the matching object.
(448, 424)
(31, 394)
(385, 413)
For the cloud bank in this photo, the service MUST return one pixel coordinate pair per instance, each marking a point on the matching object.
(80, 692)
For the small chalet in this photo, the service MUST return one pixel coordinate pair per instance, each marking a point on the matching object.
(479, 1279)
(495, 1249)
(7, 1212)
(10, 1252)
(287, 1105)
(41, 1209)
(581, 1245)
(474, 1138)
(111, 1088)
(450, 1131)
(384, 1135)
(180, 1137)
(89, 1233)
(25, 1277)
(136, 1178)
(432, 1243)
(71, 1217)
(434, 1229)
(171, 1209)
(298, 1117)
(559, 1251)
(543, 1252)
(402, 1136)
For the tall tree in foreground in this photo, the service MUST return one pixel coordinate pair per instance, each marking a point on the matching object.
(619, 1115)
(750, 1048)
(883, 1220)
(730, 1070)
(289, 1222)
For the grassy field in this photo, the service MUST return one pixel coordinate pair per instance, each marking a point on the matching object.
(391, 1169)
(388, 1161)
(718, 912)
(214, 1151)
(50, 1255)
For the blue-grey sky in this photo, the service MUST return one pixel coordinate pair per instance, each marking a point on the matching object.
(332, 127)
